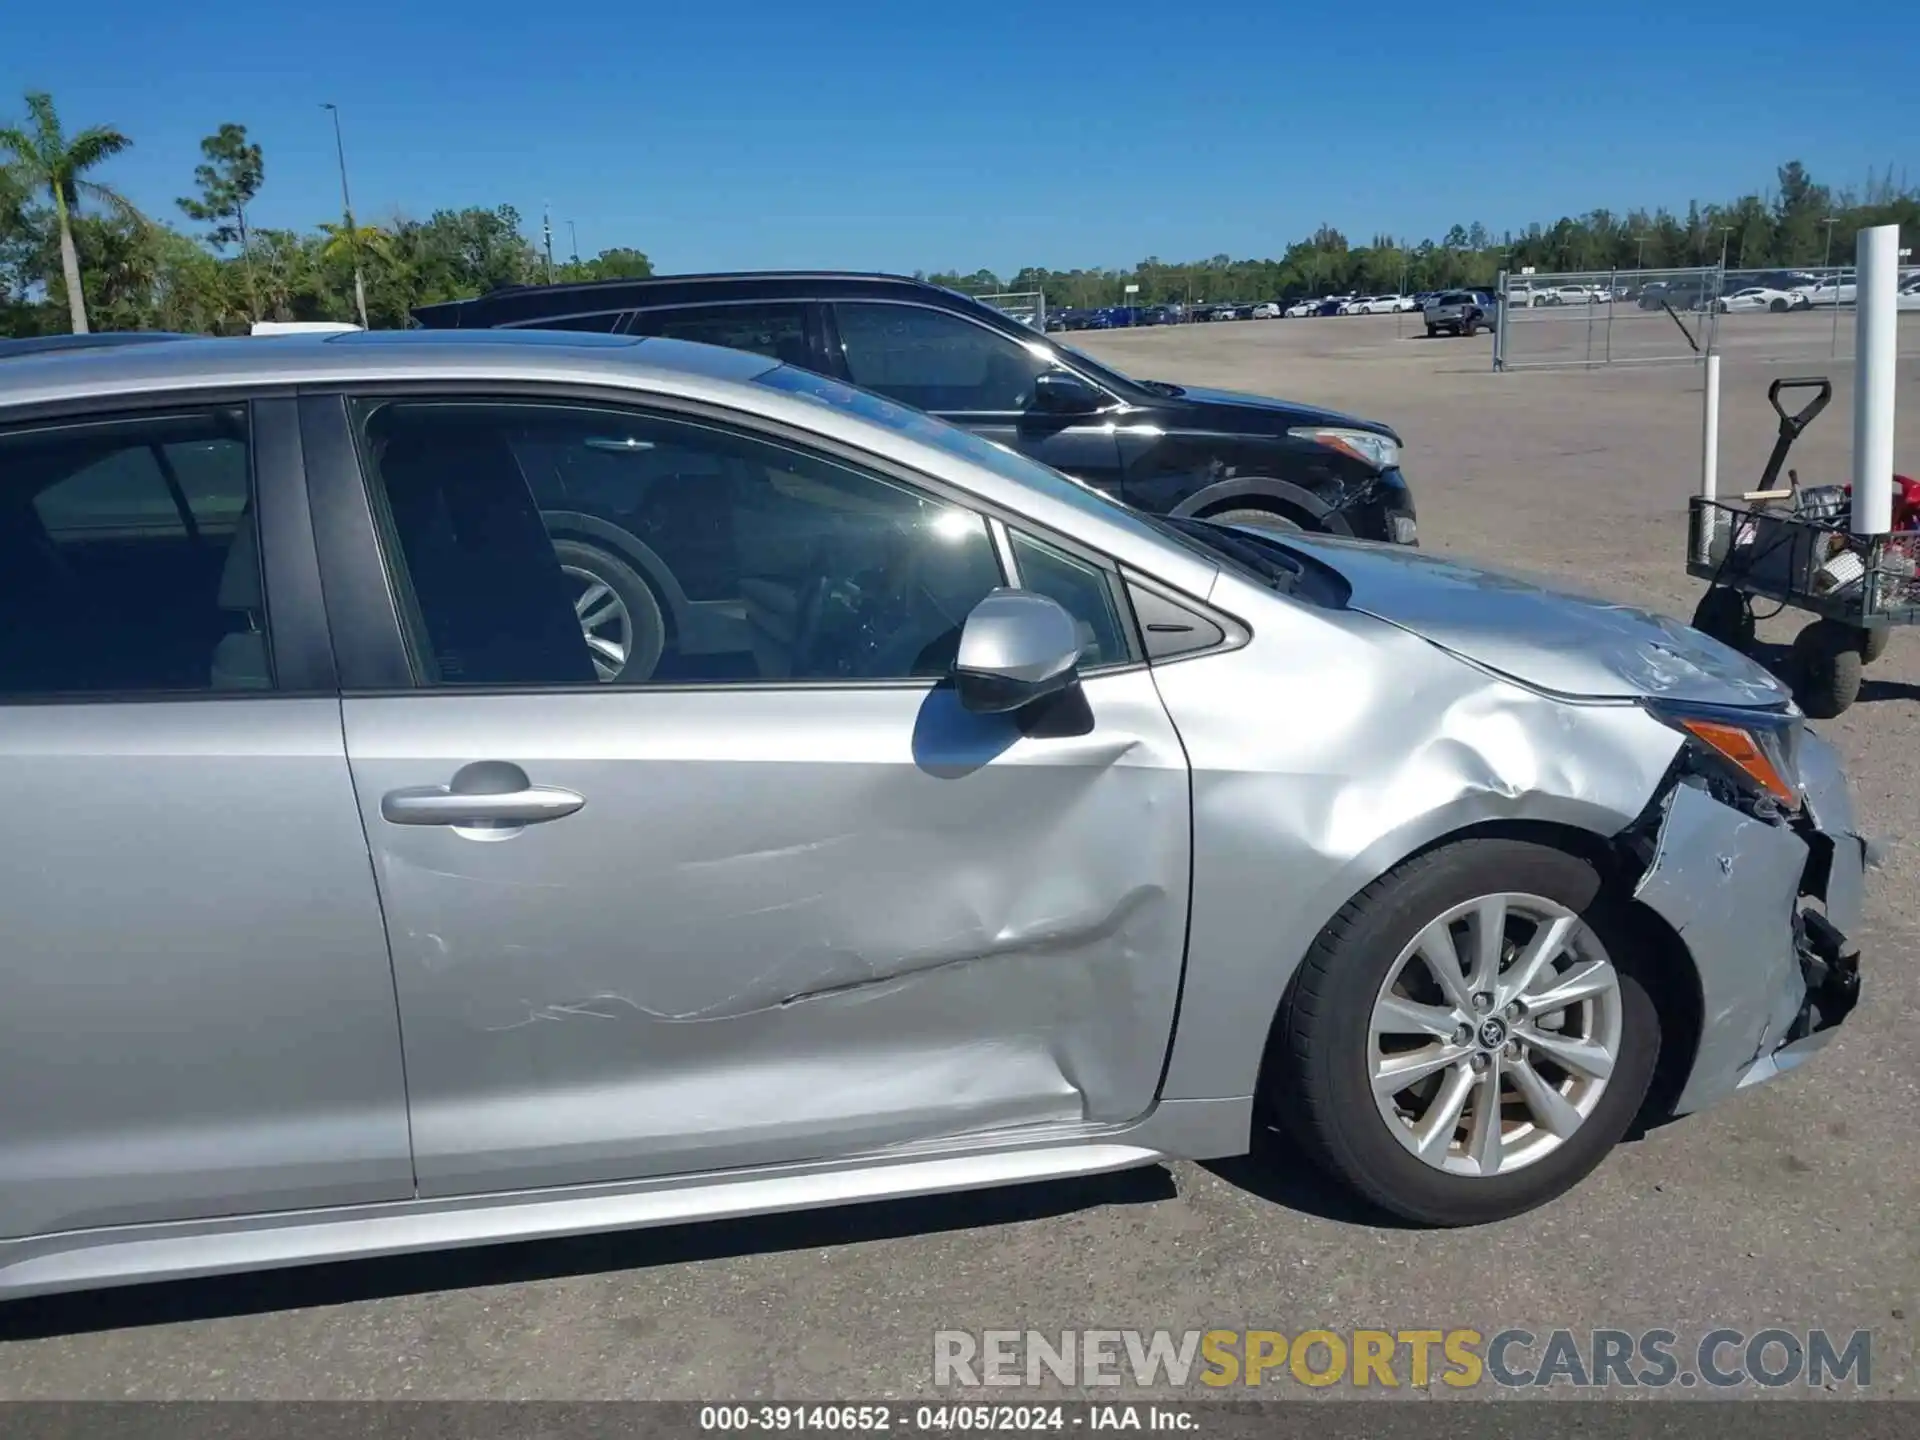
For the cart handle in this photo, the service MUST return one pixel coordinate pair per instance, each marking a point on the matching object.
(1798, 421)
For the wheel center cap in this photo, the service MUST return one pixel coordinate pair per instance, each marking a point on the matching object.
(1493, 1033)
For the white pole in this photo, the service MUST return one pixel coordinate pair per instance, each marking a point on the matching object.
(1875, 320)
(1709, 458)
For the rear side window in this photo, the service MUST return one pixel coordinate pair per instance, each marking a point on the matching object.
(777, 331)
(935, 361)
(128, 558)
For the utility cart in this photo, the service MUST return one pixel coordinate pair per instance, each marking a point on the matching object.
(1794, 547)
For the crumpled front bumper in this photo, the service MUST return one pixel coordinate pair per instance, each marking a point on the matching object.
(1777, 973)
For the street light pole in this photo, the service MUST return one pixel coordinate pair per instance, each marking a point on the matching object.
(346, 205)
(574, 236)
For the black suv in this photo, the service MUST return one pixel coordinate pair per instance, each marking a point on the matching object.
(1168, 449)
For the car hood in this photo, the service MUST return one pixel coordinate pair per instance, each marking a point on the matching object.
(1541, 636)
(1238, 409)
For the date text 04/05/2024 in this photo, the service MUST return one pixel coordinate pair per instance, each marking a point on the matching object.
(942, 1419)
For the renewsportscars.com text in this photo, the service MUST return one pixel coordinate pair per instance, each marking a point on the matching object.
(1414, 1359)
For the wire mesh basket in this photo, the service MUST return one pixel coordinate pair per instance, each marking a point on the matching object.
(1806, 558)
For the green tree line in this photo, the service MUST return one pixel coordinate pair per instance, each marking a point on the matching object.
(1796, 223)
(76, 254)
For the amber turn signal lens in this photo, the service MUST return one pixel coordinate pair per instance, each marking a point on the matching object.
(1738, 747)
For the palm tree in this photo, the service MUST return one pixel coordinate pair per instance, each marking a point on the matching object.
(45, 158)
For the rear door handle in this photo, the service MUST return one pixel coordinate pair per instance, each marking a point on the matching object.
(487, 792)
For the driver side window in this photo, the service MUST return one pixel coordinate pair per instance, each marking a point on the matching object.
(934, 361)
(547, 544)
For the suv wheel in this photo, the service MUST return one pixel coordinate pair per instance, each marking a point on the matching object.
(618, 613)
(1258, 519)
(1471, 1035)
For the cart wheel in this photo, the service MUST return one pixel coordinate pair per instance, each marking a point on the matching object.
(1826, 668)
(1724, 614)
(1873, 642)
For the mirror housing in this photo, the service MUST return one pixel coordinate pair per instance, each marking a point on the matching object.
(1061, 392)
(1016, 647)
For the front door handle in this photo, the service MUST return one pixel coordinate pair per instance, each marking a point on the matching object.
(491, 792)
(435, 805)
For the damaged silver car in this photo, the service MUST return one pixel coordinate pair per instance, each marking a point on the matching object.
(905, 818)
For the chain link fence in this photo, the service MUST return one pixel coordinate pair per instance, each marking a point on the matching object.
(1637, 317)
(1029, 307)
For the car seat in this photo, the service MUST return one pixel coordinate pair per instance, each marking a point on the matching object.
(491, 595)
(241, 660)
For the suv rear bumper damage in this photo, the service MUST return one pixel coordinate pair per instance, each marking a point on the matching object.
(1777, 973)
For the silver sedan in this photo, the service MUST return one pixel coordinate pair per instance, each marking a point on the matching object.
(474, 787)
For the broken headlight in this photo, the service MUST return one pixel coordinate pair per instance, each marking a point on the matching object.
(1380, 452)
(1751, 751)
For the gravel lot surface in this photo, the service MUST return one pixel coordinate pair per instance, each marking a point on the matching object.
(1792, 1206)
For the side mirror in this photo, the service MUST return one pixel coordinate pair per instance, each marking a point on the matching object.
(1061, 392)
(1016, 647)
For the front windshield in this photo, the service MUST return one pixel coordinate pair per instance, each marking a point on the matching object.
(920, 426)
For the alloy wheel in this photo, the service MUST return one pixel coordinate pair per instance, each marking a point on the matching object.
(604, 620)
(1494, 1034)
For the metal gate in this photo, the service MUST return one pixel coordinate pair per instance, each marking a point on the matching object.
(1029, 307)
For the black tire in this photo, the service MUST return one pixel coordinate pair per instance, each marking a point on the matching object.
(1469, 325)
(1318, 1084)
(647, 623)
(1260, 519)
(1724, 614)
(1778, 307)
(1873, 643)
(1827, 660)
(1432, 330)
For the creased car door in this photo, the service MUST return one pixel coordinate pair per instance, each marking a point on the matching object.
(781, 926)
(641, 930)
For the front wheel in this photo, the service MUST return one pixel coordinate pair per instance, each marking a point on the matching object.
(1471, 324)
(1471, 1035)
(1778, 307)
(1432, 330)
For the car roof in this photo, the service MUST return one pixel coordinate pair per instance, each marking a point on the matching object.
(359, 356)
(588, 297)
(11, 349)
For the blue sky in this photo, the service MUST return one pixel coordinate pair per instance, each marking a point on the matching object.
(742, 135)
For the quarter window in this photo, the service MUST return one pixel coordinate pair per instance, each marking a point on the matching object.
(935, 361)
(545, 544)
(129, 561)
(1083, 590)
